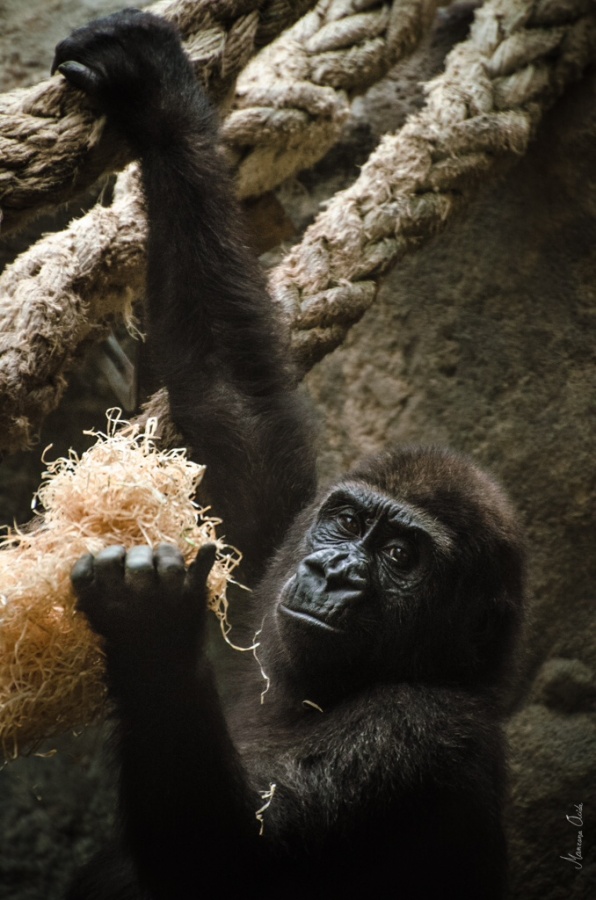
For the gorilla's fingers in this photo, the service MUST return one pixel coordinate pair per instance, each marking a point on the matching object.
(200, 568)
(82, 573)
(170, 567)
(109, 568)
(139, 573)
(80, 76)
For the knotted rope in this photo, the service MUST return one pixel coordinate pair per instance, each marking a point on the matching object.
(56, 296)
(56, 292)
(292, 99)
(52, 146)
(480, 114)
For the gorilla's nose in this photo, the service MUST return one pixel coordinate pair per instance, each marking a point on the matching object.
(335, 572)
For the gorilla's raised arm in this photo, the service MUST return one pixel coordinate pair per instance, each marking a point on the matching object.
(213, 333)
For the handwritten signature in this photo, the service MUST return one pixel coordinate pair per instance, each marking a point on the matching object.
(577, 820)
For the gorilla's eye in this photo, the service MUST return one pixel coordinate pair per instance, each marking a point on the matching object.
(402, 554)
(348, 522)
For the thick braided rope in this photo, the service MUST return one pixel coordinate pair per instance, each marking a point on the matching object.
(53, 295)
(480, 114)
(482, 111)
(52, 146)
(58, 296)
(292, 99)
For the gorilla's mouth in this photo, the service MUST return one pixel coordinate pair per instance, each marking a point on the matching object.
(298, 605)
(308, 619)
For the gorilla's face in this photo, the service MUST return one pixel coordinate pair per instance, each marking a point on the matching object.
(351, 601)
(421, 585)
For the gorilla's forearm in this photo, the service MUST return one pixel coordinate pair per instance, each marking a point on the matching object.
(213, 333)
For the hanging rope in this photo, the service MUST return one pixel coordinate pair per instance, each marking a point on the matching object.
(53, 146)
(57, 296)
(56, 292)
(292, 99)
(480, 115)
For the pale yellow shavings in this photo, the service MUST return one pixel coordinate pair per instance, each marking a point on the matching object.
(267, 796)
(123, 490)
(312, 705)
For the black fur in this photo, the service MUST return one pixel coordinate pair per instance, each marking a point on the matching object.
(387, 606)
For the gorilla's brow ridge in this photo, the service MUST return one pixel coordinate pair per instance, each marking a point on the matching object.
(409, 514)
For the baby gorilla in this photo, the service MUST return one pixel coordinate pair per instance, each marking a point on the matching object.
(387, 606)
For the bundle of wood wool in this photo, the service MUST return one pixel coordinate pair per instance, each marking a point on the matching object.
(123, 490)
